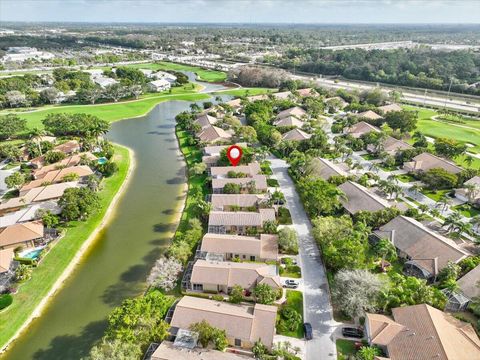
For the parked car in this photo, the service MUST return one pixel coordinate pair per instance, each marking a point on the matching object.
(352, 332)
(307, 328)
(291, 284)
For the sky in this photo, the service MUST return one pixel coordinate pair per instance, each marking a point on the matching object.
(243, 11)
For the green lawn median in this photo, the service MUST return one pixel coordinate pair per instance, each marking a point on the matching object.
(31, 293)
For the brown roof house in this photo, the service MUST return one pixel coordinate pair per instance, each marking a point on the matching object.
(235, 202)
(222, 276)
(326, 169)
(342, 104)
(282, 95)
(257, 182)
(6, 260)
(23, 234)
(212, 153)
(37, 194)
(421, 332)
(56, 176)
(244, 324)
(68, 148)
(470, 192)
(390, 145)
(205, 120)
(260, 248)
(295, 111)
(426, 252)
(389, 108)
(289, 121)
(306, 92)
(361, 128)
(359, 198)
(171, 351)
(72, 160)
(213, 134)
(369, 114)
(426, 161)
(240, 222)
(296, 135)
(468, 289)
(250, 170)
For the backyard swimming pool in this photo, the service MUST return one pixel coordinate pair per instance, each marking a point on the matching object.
(33, 254)
(102, 160)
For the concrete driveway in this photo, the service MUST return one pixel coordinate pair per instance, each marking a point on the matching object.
(316, 294)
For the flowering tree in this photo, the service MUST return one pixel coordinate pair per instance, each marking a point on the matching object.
(164, 273)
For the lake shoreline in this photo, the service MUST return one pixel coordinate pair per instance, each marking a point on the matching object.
(59, 283)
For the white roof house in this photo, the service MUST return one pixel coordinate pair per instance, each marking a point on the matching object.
(159, 85)
(165, 76)
(104, 81)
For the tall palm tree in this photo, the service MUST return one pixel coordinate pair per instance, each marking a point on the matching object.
(469, 160)
(453, 221)
(444, 201)
(471, 191)
(36, 135)
(416, 189)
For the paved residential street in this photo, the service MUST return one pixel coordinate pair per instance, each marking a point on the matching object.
(317, 306)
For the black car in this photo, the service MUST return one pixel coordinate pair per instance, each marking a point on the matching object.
(307, 327)
(352, 332)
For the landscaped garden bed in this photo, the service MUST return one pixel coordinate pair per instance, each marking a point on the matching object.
(290, 321)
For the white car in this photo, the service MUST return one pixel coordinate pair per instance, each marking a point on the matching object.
(291, 284)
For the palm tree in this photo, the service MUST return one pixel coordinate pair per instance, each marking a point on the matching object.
(469, 160)
(416, 189)
(423, 208)
(453, 221)
(434, 212)
(475, 221)
(444, 201)
(471, 191)
(386, 250)
(36, 135)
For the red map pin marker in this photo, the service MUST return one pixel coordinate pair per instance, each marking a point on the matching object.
(234, 154)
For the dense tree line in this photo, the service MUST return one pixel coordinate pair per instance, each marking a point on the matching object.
(409, 67)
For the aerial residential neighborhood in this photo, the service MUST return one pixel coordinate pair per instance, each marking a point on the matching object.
(222, 180)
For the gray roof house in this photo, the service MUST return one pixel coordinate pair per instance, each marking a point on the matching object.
(359, 198)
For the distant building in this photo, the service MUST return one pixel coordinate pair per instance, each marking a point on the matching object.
(389, 108)
(361, 128)
(296, 135)
(296, 111)
(22, 53)
(369, 114)
(104, 82)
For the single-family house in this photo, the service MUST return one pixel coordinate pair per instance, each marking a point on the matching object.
(239, 222)
(256, 182)
(259, 248)
(159, 85)
(369, 115)
(167, 350)
(426, 161)
(235, 104)
(389, 108)
(104, 81)
(30, 212)
(6, 260)
(244, 324)
(205, 120)
(425, 251)
(359, 198)
(295, 111)
(23, 234)
(337, 102)
(325, 168)
(56, 176)
(470, 192)
(306, 92)
(289, 120)
(72, 160)
(212, 153)
(282, 95)
(163, 75)
(221, 172)
(390, 146)
(213, 134)
(361, 128)
(296, 135)
(39, 194)
(422, 332)
(68, 148)
(222, 276)
(235, 202)
(254, 98)
(468, 289)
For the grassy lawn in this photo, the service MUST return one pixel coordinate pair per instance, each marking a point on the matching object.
(345, 348)
(202, 74)
(110, 112)
(435, 195)
(368, 156)
(406, 178)
(291, 271)
(451, 130)
(295, 301)
(54, 263)
(467, 210)
(246, 91)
